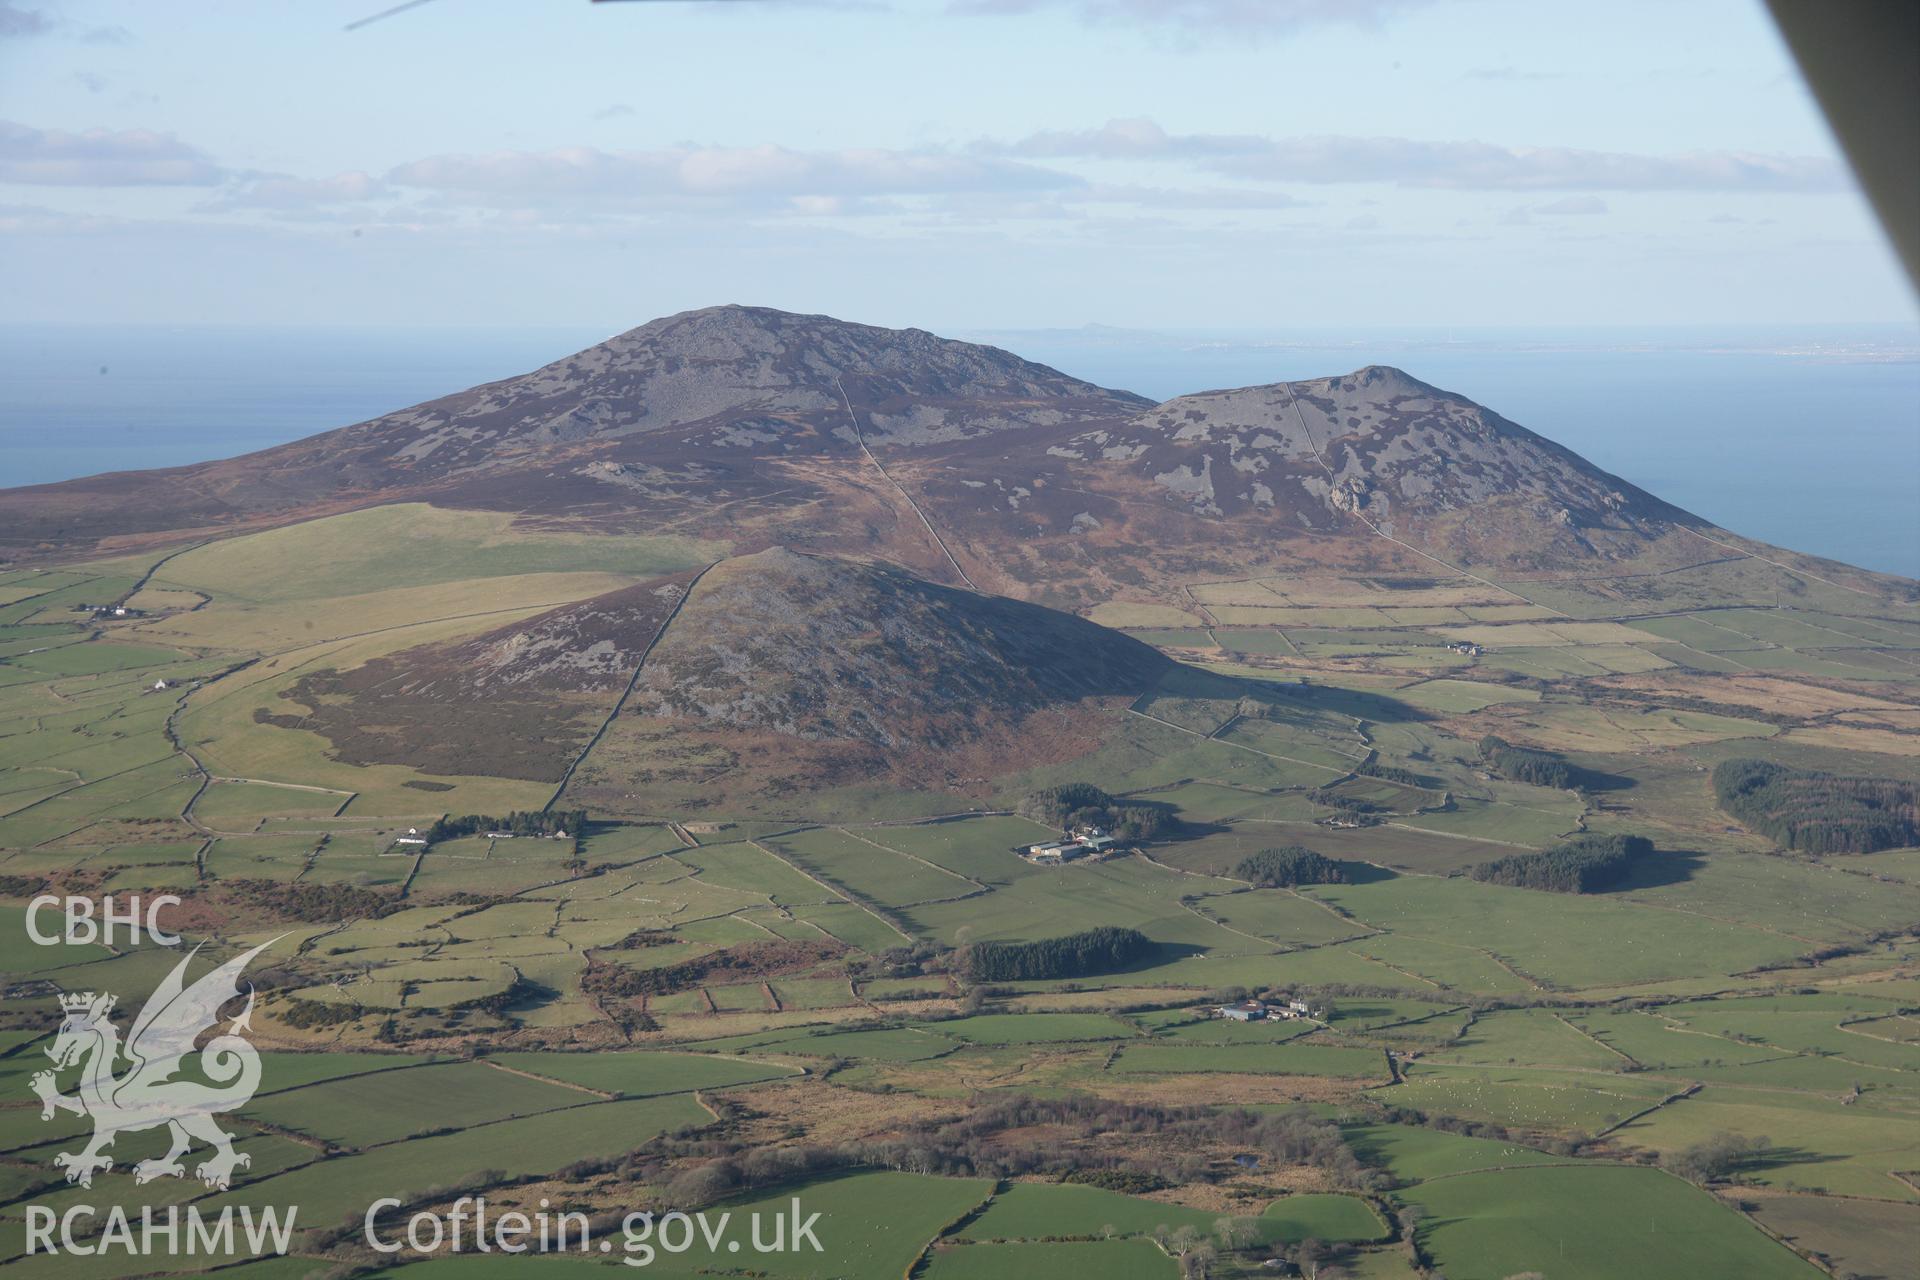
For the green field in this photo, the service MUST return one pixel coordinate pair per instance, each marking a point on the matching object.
(733, 995)
(372, 1110)
(1574, 940)
(1286, 1058)
(872, 1226)
(1864, 1237)
(409, 545)
(1032, 1028)
(1118, 1259)
(1324, 1217)
(638, 1075)
(1592, 1222)
(535, 1144)
(874, 871)
(1043, 1210)
(1533, 1036)
(1414, 1154)
(1813, 1142)
(1530, 1098)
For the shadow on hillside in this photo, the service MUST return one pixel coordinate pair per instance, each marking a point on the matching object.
(526, 995)
(1180, 830)
(1594, 780)
(1775, 1157)
(1357, 703)
(1661, 867)
(1281, 692)
(1160, 953)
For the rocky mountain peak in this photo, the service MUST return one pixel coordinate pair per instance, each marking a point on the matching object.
(1383, 380)
(761, 348)
(1376, 443)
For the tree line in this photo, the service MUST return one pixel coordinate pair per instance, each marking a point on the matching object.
(1717, 1157)
(1813, 812)
(531, 822)
(1584, 864)
(1101, 950)
(1372, 768)
(1353, 806)
(1081, 804)
(1288, 866)
(741, 962)
(1527, 764)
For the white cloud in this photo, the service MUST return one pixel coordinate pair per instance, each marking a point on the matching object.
(1573, 205)
(101, 158)
(33, 219)
(766, 173)
(281, 191)
(1486, 166)
(1411, 162)
(1187, 197)
(17, 23)
(20, 24)
(1135, 138)
(1206, 17)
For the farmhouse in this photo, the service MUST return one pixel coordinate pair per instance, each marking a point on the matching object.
(1081, 842)
(1244, 1011)
(1251, 1010)
(1296, 1009)
(1050, 854)
(408, 840)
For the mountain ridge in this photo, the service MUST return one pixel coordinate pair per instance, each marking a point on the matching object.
(760, 427)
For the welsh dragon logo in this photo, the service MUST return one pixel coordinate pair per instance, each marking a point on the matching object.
(149, 1090)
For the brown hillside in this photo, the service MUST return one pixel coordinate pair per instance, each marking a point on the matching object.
(728, 385)
(520, 701)
(830, 650)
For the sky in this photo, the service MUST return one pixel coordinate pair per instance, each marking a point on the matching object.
(1167, 164)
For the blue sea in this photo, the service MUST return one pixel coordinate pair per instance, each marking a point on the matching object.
(1809, 440)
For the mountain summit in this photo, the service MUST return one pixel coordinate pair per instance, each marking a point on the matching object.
(743, 375)
(961, 462)
(719, 380)
(1376, 443)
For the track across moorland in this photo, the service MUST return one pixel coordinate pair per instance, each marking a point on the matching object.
(860, 437)
(625, 693)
